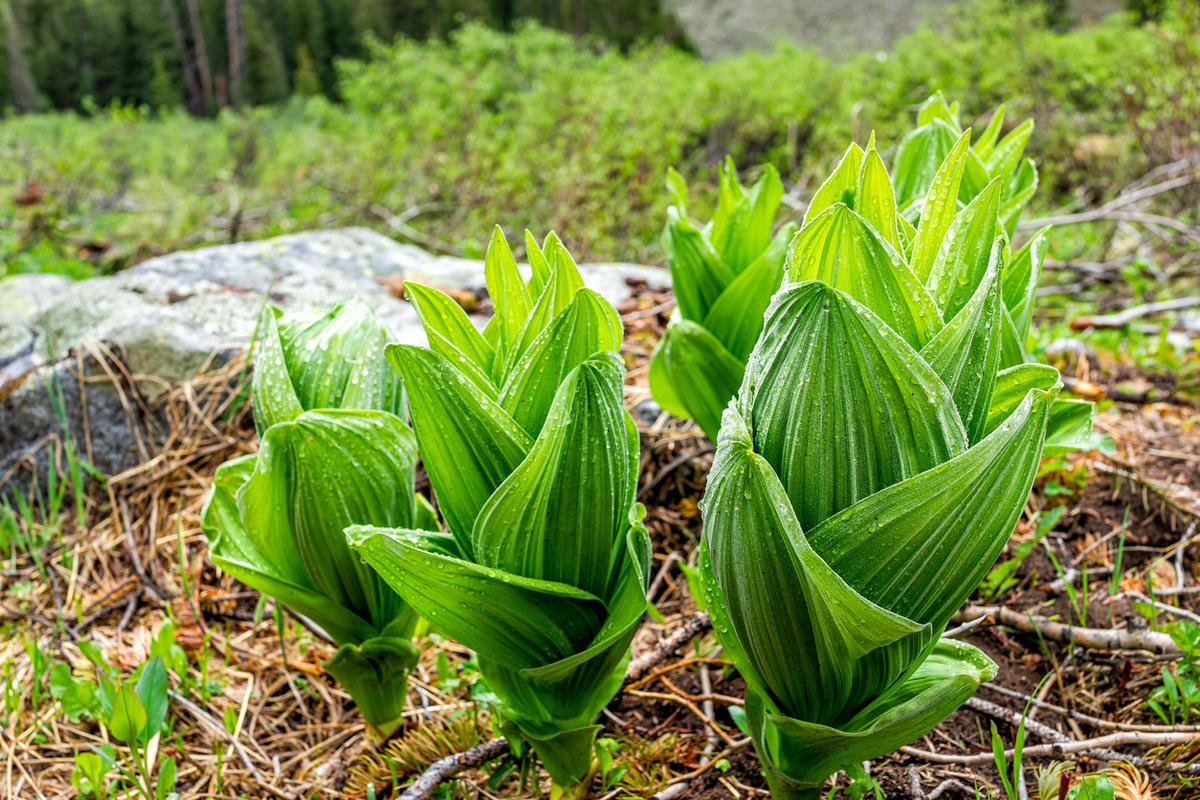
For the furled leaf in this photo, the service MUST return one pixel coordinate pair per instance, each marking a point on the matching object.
(920, 155)
(839, 248)
(697, 272)
(451, 334)
(510, 295)
(861, 410)
(966, 252)
(875, 201)
(839, 187)
(1021, 278)
(736, 318)
(939, 206)
(693, 376)
(468, 443)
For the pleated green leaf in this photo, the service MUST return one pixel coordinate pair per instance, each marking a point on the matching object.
(839, 248)
(510, 296)
(1069, 427)
(840, 187)
(561, 288)
(746, 232)
(1012, 349)
(561, 513)
(517, 621)
(697, 271)
(986, 142)
(799, 755)
(319, 473)
(861, 409)
(693, 376)
(966, 252)
(736, 318)
(1021, 278)
(1006, 157)
(1012, 384)
(918, 159)
(451, 334)
(966, 352)
(588, 325)
(375, 673)
(468, 443)
(1018, 195)
(539, 266)
(273, 567)
(875, 200)
(921, 546)
(799, 624)
(940, 203)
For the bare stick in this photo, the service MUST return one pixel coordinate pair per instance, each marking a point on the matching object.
(1091, 746)
(638, 667)
(445, 768)
(1091, 638)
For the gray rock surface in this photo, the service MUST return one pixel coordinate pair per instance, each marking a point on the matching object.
(166, 318)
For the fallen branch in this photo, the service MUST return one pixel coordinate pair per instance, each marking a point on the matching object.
(445, 768)
(1091, 638)
(638, 667)
(1122, 319)
(1093, 747)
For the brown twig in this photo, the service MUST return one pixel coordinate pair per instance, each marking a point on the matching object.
(638, 667)
(445, 768)
(1091, 638)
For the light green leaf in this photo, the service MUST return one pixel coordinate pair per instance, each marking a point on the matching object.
(507, 288)
(840, 187)
(875, 201)
(375, 673)
(1003, 161)
(468, 443)
(742, 234)
(841, 249)
(986, 143)
(861, 411)
(677, 189)
(801, 754)
(563, 510)
(272, 395)
(920, 155)
(565, 281)
(697, 272)
(538, 264)
(1069, 427)
(588, 325)
(451, 334)
(939, 206)
(736, 318)
(128, 718)
(1018, 195)
(798, 623)
(966, 352)
(1021, 278)
(1012, 384)
(921, 546)
(967, 250)
(151, 690)
(517, 621)
(314, 476)
(693, 376)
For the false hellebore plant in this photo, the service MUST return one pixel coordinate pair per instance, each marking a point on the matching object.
(533, 459)
(724, 275)
(870, 470)
(332, 453)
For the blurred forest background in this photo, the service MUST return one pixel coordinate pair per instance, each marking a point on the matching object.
(136, 127)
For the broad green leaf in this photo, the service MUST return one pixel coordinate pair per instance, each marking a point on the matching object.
(1003, 161)
(875, 201)
(740, 236)
(1019, 192)
(840, 187)
(539, 266)
(333, 360)
(1012, 384)
(1069, 427)
(736, 318)
(939, 206)
(798, 623)
(272, 395)
(691, 371)
(920, 155)
(986, 143)
(452, 334)
(128, 718)
(677, 189)
(966, 353)
(559, 515)
(965, 253)
(565, 281)
(468, 443)
(921, 546)
(587, 326)
(517, 621)
(697, 272)
(861, 411)
(841, 249)
(507, 288)
(151, 690)
(1021, 279)
(316, 475)
(275, 572)
(802, 753)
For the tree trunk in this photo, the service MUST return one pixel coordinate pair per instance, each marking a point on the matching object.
(25, 91)
(200, 51)
(233, 27)
(197, 101)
